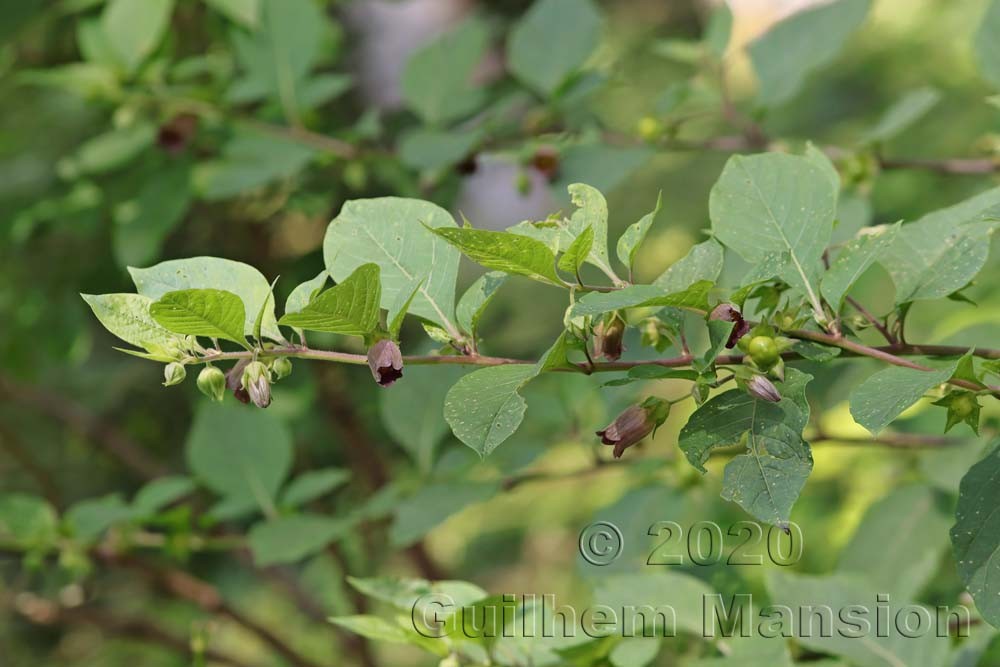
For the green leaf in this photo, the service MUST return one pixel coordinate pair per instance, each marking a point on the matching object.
(903, 565)
(127, 317)
(602, 166)
(885, 395)
(683, 593)
(350, 307)
(632, 238)
(430, 506)
(789, 52)
(144, 223)
(975, 537)
(943, 251)
(552, 41)
(702, 262)
(201, 312)
(694, 298)
(277, 57)
(425, 148)
(644, 373)
(484, 408)
(503, 251)
(576, 254)
(476, 299)
(718, 336)
(634, 652)
(27, 521)
(854, 259)
(419, 426)
(251, 159)
(241, 279)
(907, 110)
(305, 292)
(397, 313)
(986, 46)
(391, 232)
(378, 629)
(776, 203)
(134, 28)
(288, 539)
(313, 484)
(883, 648)
(719, 29)
(591, 213)
(724, 418)
(114, 149)
(161, 492)
(407, 594)
(245, 12)
(89, 519)
(437, 79)
(240, 453)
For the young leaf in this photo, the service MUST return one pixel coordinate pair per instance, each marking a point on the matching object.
(201, 312)
(591, 213)
(88, 519)
(719, 29)
(975, 537)
(241, 279)
(127, 316)
(350, 307)
(393, 233)
(437, 79)
(632, 238)
(718, 336)
(134, 28)
(805, 41)
(161, 492)
(854, 259)
(694, 298)
(476, 299)
(27, 521)
(885, 395)
(576, 254)
(398, 311)
(305, 292)
(502, 251)
(552, 41)
(288, 539)
(258, 322)
(245, 12)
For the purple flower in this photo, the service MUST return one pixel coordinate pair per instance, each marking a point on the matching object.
(386, 362)
(608, 338)
(762, 388)
(729, 313)
(634, 424)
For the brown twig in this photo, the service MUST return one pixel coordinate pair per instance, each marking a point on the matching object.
(882, 329)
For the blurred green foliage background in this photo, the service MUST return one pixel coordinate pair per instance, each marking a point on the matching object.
(242, 129)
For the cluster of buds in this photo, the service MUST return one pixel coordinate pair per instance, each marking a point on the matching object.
(634, 424)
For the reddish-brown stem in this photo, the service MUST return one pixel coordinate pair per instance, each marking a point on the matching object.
(882, 329)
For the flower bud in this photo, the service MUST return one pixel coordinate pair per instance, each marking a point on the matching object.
(282, 368)
(257, 383)
(729, 313)
(212, 383)
(634, 424)
(386, 362)
(760, 387)
(608, 338)
(173, 373)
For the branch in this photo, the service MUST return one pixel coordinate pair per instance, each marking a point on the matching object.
(873, 320)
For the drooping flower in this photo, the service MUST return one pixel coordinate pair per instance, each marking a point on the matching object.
(760, 387)
(257, 383)
(386, 362)
(729, 313)
(634, 424)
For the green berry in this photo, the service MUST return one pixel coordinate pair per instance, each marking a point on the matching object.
(764, 351)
